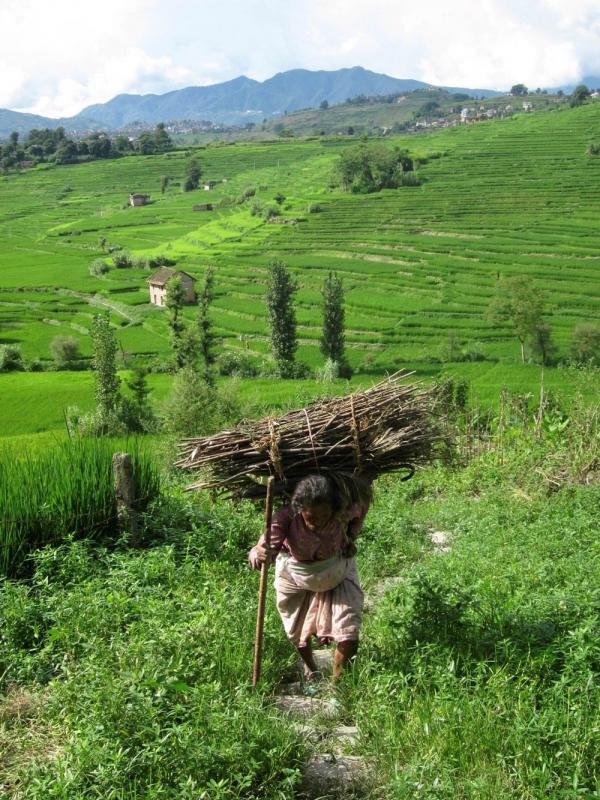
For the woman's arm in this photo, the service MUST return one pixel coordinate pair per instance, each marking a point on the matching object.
(279, 531)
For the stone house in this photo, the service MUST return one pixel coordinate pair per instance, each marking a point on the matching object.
(138, 199)
(158, 285)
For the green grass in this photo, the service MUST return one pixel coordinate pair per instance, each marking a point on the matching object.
(125, 674)
(65, 490)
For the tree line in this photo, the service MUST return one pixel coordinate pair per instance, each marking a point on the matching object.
(52, 145)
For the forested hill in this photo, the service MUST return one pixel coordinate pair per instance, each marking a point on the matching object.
(233, 102)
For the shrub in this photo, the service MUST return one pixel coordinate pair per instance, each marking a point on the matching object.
(98, 267)
(409, 179)
(122, 260)
(370, 168)
(11, 359)
(160, 260)
(314, 208)
(35, 365)
(195, 408)
(238, 365)
(585, 342)
(329, 372)
(64, 350)
(593, 149)
(248, 192)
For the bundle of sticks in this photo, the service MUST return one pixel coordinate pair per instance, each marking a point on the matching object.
(387, 428)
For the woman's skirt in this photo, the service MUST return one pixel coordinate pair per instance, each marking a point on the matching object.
(322, 599)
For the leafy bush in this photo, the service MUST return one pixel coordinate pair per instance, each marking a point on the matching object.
(314, 208)
(11, 359)
(160, 261)
(409, 179)
(195, 408)
(99, 267)
(370, 168)
(122, 260)
(237, 365)
(64, 350)
(250, 191)
(264, 210)
(593, 149)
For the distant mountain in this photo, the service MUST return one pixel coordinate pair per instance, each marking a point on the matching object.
(244, 99)
(233, 102)
(22, 123)
(591, 81)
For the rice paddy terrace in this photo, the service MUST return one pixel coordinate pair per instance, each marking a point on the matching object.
(510, 197)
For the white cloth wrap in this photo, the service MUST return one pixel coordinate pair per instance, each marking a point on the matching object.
(322, 599)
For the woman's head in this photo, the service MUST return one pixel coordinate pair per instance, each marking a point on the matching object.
(316, 492)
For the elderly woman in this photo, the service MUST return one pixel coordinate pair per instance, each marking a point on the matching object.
(317, 586)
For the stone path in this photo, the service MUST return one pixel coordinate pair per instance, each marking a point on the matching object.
(333, 770)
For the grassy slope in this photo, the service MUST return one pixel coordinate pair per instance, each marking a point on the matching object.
(124, 673)
(515, 196)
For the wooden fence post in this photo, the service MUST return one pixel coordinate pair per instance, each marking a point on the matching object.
(125, 495)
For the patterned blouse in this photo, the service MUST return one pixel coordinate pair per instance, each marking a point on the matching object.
(289, 532)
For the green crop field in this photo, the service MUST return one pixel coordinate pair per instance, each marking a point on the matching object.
(501, 198)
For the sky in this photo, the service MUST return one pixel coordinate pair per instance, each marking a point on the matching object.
(58, 57)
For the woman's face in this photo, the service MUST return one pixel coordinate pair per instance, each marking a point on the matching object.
(316, 517)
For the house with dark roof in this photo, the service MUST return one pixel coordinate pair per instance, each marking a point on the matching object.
(158, 285)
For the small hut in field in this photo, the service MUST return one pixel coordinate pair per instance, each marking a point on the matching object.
(158, 285)
(138, 199)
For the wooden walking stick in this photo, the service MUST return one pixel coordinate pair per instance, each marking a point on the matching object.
(262, 589)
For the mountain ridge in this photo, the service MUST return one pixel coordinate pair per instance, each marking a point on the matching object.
(236, 101)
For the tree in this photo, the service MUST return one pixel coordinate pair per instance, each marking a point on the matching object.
(206, 334)
(585, 342)
(66, 152)
(65, 350)
(324, 105)
(162, 140)
(370, 168)
(541, 342)
(333, 339)
(164, 183)
(105, 368)
(520, 303)
(174, 302)
(519, 90)
(282, 316)
(136, 412)
(579, 96)
(193, 173)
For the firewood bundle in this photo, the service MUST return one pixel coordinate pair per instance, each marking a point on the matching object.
(387, 428)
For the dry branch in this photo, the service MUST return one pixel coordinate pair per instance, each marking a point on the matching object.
(387, 428)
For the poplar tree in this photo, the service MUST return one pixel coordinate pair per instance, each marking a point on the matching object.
(333, 340)
(207, 336)
(174, 302)
(105, 368)
(282, 316)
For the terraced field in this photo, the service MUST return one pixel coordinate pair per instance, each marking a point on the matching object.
(507, 197)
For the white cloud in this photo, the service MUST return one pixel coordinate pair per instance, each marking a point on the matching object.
(56, 57)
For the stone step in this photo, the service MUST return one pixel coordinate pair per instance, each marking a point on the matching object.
(440, 541)
(305, 707)
(345, 734)
(327, 775)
